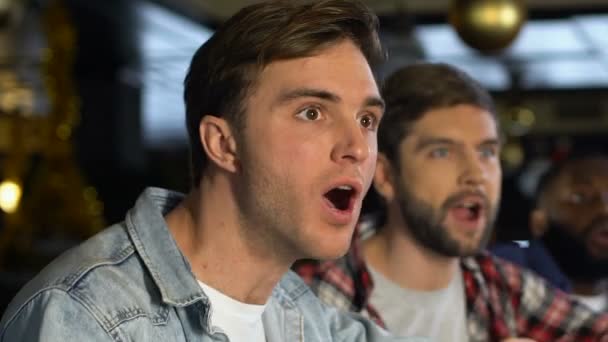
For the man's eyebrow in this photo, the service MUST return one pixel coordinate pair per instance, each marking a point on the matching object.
(286, 96)
(293, 94)
(425, 142)
(491, 141)
(374, 101)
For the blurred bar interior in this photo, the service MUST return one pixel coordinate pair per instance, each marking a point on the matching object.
(91, 107)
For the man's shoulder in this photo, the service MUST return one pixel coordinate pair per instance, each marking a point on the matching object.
(497, 277)
(488, 266)
(343, 283)
(99, 273)
(108, 247)
(506, 274)
(487, 273)
(293, 293)
(314, 272)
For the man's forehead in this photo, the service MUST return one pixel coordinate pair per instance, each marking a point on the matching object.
(305, 68)
(480, 128)
(460, 115)
(585, 172)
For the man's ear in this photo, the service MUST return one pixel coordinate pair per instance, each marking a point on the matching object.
(539, 223)
(219, 142)
(384, 178)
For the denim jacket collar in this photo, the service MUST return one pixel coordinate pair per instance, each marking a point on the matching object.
(165, 262)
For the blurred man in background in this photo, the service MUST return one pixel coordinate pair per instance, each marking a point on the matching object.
(570, 229)
(423, 270)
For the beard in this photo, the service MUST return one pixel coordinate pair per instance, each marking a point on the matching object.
(424, 223)
(572, 255)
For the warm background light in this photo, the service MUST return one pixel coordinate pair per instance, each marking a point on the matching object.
(10, 195)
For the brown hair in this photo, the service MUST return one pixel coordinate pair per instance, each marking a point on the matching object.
(224, 70)
(413, 90)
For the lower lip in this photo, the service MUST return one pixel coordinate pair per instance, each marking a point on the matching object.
(336, 216)
(460, 217)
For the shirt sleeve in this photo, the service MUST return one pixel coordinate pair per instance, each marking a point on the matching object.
(53, 315)
(546, 313)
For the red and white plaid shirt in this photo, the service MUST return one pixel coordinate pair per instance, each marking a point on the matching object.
(502, 299)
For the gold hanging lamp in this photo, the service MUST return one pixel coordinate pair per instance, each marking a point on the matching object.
(487, 25)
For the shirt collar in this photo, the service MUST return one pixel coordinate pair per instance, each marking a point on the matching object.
(155, 244)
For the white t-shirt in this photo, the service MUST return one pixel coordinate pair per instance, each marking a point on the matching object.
(239, 321)
(597, 303)
(440, 314)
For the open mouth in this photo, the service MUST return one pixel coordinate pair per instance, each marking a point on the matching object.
(468, 210)
(600, 235)
(341, 197)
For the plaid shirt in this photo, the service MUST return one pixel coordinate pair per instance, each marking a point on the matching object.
(502, 299)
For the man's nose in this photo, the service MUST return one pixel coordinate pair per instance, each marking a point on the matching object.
(602, 197)
(472, 172)
(352, 143)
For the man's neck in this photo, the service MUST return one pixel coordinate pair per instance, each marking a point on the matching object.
(207, 230)
(396, 255)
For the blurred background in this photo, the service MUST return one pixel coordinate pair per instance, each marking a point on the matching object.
(91, 106)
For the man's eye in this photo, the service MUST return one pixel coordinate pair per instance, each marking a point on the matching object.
(440, 152)
(368, 121)
(576, 198)
(488, 152)
(310, 114)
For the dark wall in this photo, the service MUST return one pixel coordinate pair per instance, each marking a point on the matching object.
(109, 138)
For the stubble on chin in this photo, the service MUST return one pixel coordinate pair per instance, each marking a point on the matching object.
(426, 226)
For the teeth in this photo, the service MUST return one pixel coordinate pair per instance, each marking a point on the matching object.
(345, 187)
(469, 205)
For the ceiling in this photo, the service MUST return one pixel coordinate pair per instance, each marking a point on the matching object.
(218, 10)
(556, 55)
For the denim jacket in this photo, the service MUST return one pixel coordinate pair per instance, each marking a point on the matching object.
(131, 283)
